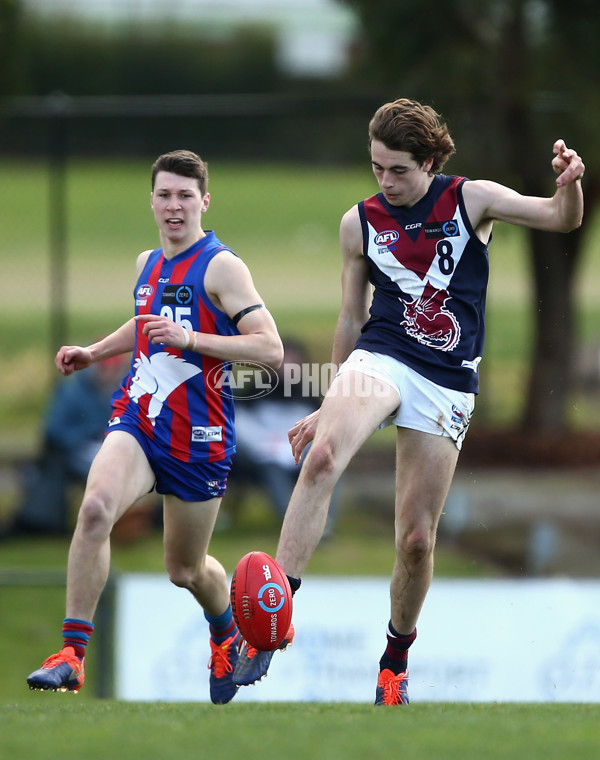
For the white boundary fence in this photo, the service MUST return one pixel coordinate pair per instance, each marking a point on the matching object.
(479, 641)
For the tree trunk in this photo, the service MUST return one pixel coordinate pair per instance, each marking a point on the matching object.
(554, 259)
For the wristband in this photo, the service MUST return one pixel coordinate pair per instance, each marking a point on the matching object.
(187, 339)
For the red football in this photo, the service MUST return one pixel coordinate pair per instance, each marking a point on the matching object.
(261, 600)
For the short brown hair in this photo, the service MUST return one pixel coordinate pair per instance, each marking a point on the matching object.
(415, 128)
(186, 164)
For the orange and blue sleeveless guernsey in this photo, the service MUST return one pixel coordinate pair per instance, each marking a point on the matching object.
(430, 273)
(175, 396)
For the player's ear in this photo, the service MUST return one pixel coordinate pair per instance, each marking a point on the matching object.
(205, 202)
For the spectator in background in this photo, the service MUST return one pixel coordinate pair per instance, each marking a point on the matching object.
(264, 458)
(73, 431)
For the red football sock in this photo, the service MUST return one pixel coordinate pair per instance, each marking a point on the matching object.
(395, 657)
(76, 634)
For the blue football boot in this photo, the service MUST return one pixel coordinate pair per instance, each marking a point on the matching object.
(223, 659)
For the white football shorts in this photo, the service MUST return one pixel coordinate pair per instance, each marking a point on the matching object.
(424, 405)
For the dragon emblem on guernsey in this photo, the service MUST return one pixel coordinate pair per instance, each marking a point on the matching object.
(159, 376)
(428, 320)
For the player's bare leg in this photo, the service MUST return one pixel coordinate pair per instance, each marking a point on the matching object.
(188, 527)
(119, 475)
(352, 410)
(424, 469)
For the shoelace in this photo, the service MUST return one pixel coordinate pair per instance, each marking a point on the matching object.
(251, 651)
(56, 659)
(391, 687)
(219, 661)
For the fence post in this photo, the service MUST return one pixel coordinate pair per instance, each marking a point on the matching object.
(105, 640)
(58, 106)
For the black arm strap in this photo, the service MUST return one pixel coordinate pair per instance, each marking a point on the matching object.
(245, 311)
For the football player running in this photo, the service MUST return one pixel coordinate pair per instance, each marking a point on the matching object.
(172, 425)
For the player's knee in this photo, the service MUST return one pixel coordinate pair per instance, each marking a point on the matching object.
(414, 545)
(181, 576)
(95, 516)
(201, 580)
(320, 462)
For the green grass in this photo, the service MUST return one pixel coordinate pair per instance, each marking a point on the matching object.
(356, 550)
(63, 726)
(37, 726)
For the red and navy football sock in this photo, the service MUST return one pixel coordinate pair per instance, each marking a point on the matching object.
(76, 634)
(222, 626)
(294, 583)
(395, 657)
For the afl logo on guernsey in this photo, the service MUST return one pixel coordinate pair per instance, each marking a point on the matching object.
(387, 237)
(144, 291)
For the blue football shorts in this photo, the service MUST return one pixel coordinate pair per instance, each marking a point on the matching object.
(424, 405)
(188, 481)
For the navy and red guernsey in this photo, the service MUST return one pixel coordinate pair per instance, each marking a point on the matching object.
(175, 396)
(430, 273)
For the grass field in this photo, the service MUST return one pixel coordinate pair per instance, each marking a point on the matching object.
(61, 726)
(42, 725)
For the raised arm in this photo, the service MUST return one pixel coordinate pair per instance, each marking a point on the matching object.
(488, 201)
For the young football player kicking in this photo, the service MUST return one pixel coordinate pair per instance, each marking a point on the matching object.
(408, 343)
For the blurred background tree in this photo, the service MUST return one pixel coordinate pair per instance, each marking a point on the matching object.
(11, 13)
(510, 76)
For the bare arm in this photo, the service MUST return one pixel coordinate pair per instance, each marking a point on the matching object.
(487, 201)
(229, 285)
(69, 359)
(354, 312)
(72, 358)
(356, 290)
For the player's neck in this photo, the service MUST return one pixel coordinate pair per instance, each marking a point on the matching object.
(173, 247)
(418, 197)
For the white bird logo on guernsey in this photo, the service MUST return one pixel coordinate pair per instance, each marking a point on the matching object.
(158, 376)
